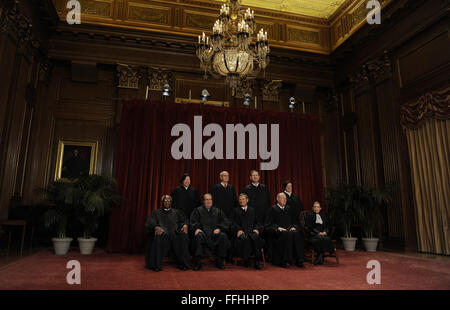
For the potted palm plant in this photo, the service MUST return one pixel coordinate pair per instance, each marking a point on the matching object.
(343, 206)
(97, 195)
(60, 197)
(375, 200)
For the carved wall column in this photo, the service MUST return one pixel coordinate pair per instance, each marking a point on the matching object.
(372, 136)
(21, 70)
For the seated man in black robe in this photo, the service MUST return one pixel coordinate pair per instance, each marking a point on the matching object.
(316, 225)
(170, 229)
(209, 226)
(246, 229)
(284, 237)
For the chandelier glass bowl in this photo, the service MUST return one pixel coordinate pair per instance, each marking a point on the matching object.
(229, 51)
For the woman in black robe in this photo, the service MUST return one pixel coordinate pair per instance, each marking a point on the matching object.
(293, 200)
(185, 197)
(318, 228)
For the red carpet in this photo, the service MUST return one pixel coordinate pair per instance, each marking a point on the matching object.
(44, 270)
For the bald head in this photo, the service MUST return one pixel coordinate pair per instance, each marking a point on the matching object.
(281, 199)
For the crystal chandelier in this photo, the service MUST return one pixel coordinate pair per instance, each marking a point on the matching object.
(228, 51)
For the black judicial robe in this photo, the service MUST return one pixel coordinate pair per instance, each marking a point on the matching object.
(286, 246)
(207, 242)
(224, 198)
(173, 238)
(321, 244)
(185, 200)
(250, 242)
(259, 199)
(295, 202)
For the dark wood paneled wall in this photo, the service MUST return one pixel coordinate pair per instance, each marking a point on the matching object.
(22, 86)
(377, 70)
(68, 89)
(80, 100)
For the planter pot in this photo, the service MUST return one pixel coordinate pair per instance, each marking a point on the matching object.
(370, 244)
(86, 245)
(61, 245)
(349, 243)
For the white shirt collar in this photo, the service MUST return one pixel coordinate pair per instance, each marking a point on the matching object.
(282, 208)
(244, 208)
(223, 184)
(255, 184)
(318, 219)
(289, 195)
(186, 187)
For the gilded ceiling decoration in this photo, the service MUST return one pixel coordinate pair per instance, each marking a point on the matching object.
(317, 26)
(315, 8)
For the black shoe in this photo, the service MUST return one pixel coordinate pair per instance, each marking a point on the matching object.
(197, 266)
(285, 265)
(258, 265)
(183, 267)
(156, 269)
(320, 259)
(246, 263)
(299, 264)
(219, 263)
(316, 261)
(197, 263)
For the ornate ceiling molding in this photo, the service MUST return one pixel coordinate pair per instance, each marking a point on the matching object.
(351, 19)
(271, 90)
(18, 27)
(372, 72)
(158, 78)
(168, 43)
(128, 76)
(246, 87)
(191, 17)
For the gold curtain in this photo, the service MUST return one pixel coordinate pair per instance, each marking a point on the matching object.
(428, 135)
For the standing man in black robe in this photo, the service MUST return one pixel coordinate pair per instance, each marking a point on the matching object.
(293, 200)
(258, 195)
(318, 228)
(284, 237)
(209, 226)
(185, 197)
(224, 195)
(246, 230)
(168, 229)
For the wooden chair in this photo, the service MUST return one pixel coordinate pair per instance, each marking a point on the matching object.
(308, 243)
(11, 223)
(236, 259)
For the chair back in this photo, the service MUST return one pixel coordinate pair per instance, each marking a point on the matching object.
(303, 223)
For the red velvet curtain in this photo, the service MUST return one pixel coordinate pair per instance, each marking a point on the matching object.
(146, 169)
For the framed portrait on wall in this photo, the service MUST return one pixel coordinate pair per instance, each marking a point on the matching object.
(76, 159)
